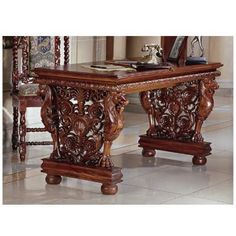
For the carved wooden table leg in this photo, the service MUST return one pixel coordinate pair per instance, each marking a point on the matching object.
(82, 122)
(175, 118)
(146, 102)
(206, 104)
(114, 104)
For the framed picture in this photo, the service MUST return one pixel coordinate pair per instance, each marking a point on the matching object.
(177, 48)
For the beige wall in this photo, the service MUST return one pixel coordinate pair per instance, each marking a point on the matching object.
(93, 48)
(221, 49)
(87, 48)
(119, 47)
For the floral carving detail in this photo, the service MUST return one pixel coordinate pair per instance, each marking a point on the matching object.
(172, 111)
(79, 117)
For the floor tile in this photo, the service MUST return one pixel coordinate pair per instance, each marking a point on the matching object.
(178, 179)
(221, 161)
(34, 190)
(221, 139)
(220, 192)
(186, 200)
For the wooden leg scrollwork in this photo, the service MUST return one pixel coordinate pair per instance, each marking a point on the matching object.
(82, 123)
(175, 118)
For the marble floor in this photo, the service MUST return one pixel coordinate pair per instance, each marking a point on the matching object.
(168, 178)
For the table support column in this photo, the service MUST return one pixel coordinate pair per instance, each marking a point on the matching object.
(83, 124)
(176, 116)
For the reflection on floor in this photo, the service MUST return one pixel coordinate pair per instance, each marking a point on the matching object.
(166, 179)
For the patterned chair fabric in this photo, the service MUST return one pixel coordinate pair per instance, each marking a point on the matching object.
(42, 51)
(41, 54)
(28, 90)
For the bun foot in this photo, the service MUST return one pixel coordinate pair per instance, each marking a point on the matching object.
(199, 160)
(109, 189)
(148, 152)
(53, 179)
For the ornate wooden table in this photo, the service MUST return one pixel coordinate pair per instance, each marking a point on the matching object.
(83, 112)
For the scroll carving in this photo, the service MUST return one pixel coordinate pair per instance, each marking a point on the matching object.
(178, 113)
(81, 126)
(172, 111)
(81, 123)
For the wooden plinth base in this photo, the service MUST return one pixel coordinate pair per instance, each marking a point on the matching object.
(198, 150)
(108, 177)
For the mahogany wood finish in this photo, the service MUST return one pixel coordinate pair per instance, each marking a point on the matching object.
(66, 50)
(20, 103)
(177, 114)
(109, 177)
(167, 42)
(53, 179)
(83, 110)
(147, 152)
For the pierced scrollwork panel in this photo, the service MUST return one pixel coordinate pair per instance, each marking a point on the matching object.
(172, 111)
(83, 123)
(80, 124)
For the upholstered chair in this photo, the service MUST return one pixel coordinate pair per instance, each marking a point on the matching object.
(30, 52)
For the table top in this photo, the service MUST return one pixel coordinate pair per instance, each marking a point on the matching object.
(79, 73)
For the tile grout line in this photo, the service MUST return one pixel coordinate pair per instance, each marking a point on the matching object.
(188, 195)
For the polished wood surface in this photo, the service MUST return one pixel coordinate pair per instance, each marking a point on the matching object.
(83, 110)
(77, 72)
(128, 82)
